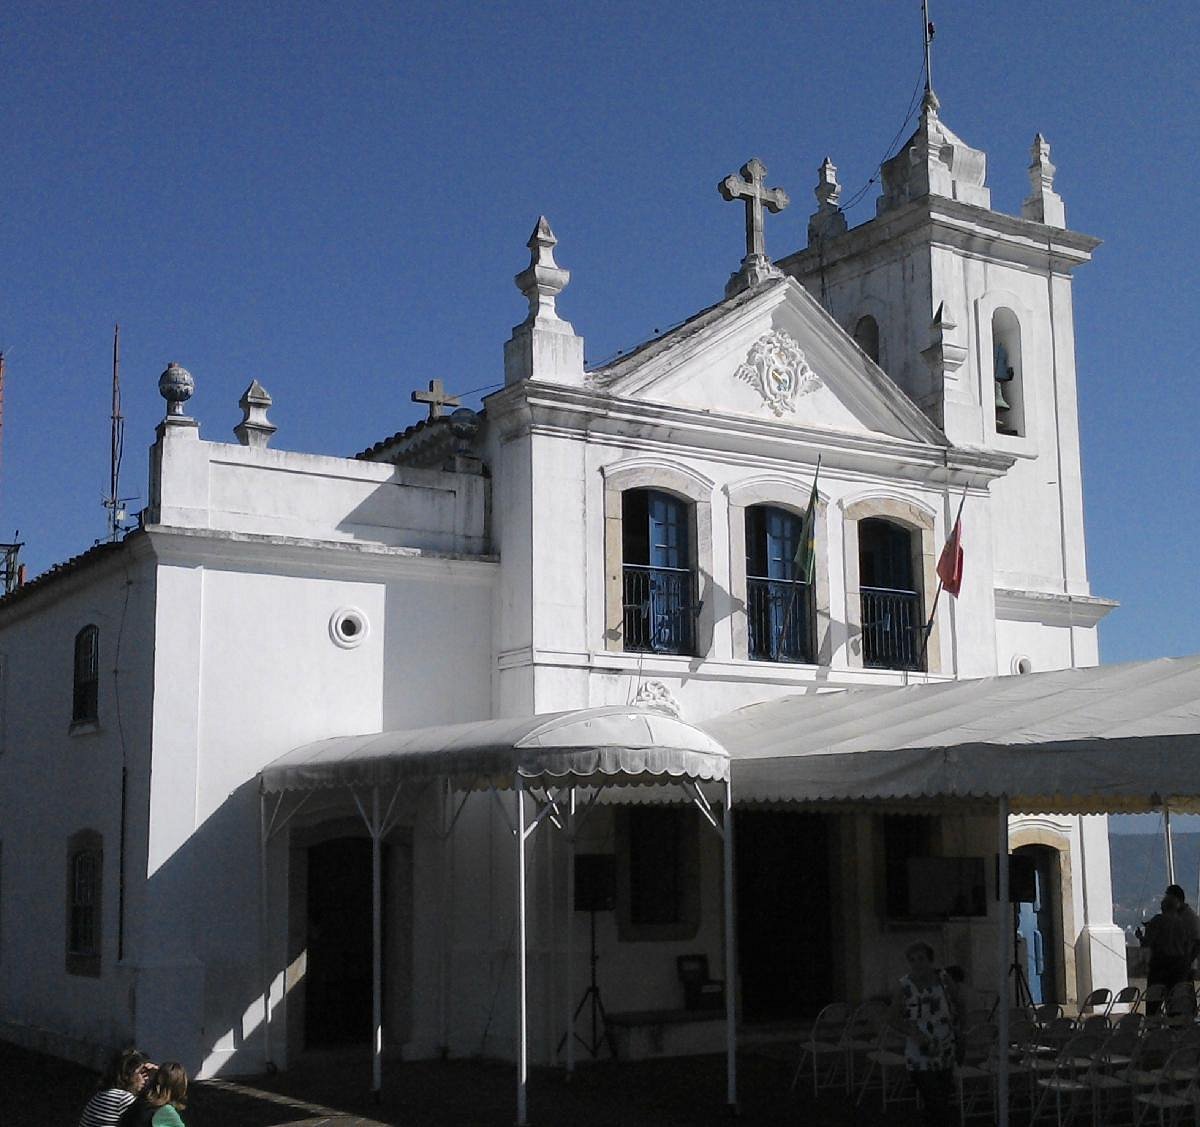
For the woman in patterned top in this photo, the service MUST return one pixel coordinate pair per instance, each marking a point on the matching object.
(126, 1076)
(925, 1008)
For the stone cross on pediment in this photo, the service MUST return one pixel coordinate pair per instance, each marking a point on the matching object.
(436, 397)
(749, 186)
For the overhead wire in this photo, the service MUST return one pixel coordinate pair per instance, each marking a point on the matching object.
(913, 102)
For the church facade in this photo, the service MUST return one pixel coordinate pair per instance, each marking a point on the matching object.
(749, 506)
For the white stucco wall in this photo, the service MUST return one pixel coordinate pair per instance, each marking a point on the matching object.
(55, 782)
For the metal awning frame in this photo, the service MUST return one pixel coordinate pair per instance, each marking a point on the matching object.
(562, 803)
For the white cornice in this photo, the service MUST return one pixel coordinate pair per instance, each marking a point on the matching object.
(977, 231)
(238, 550)
(749, 672)
(585, 415)
(1051, 608)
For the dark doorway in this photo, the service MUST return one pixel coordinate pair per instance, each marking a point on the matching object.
(337, 1009)
(784, 913)
(1038, 933)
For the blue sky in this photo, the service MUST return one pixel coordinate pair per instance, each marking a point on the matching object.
(334, 198)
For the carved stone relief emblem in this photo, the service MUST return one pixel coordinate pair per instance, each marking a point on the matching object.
(775, 367)
(654, 694)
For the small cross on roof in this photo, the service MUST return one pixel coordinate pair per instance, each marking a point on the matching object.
(437, 398)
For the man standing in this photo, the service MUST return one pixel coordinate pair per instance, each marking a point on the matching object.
(1171, 942)
(1188, 916)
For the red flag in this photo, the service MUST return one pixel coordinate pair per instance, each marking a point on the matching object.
(950, 562)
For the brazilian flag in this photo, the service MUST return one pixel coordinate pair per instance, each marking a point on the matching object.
(804, 564)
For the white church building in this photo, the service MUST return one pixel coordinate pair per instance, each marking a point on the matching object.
(617, 542)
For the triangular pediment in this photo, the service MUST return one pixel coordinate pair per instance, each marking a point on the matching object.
(771, 353)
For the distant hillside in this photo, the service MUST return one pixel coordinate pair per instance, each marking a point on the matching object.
(1139, 873)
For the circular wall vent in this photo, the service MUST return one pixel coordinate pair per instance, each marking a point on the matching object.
(348, 627)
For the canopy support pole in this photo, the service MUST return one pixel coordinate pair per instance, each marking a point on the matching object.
(1170, 842)
(376, 948)
(568, 993)
(263, 919)
(522, 961)
(730, 953)
(445, 897)
(1005, 915)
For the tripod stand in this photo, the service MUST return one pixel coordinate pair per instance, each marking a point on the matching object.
(1022, 994)
(601, 1034)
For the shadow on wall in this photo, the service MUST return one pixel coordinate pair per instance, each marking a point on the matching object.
(199, 991)
(428, 510)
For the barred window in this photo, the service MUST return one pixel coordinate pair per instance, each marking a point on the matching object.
(893, 615)
(779, 600)
(659, 573)
(658, 873)
(85, 703)
(85, 864)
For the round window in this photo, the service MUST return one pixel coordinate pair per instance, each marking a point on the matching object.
(348, 627)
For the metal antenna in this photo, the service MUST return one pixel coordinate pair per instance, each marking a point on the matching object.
(114, 502)
(929, 34)
(1, 398)
(12, 572)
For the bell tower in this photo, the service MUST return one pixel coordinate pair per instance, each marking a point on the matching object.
(969, 311)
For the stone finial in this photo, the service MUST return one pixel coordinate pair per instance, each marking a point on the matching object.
(543, 346)
(464, 426)
(176, 385)
(934, 161)
(947, 351)
(828, 220)
(750, 185)
(1044, 204)
(543, 279)
(255, 429)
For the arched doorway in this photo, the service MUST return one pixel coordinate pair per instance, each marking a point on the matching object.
(1039, 921)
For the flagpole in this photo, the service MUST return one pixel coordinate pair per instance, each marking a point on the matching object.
(941, 583)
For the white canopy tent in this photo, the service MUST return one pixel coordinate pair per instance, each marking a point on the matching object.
(1111, 739)
(543, 758)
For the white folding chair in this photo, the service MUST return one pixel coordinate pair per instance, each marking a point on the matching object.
(822, 1050)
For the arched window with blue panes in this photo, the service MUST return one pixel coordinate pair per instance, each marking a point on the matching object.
(893, 619)
(779, 600)
(659, 593)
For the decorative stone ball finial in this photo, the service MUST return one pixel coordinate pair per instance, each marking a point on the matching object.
(255, 429)
(543, 279)
(464, 425)
(176, 385)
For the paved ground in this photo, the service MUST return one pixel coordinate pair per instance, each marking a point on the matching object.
(38, 1091)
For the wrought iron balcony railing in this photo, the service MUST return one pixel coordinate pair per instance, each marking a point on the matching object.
(660, 609)
(892, 629)
(779, 620)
